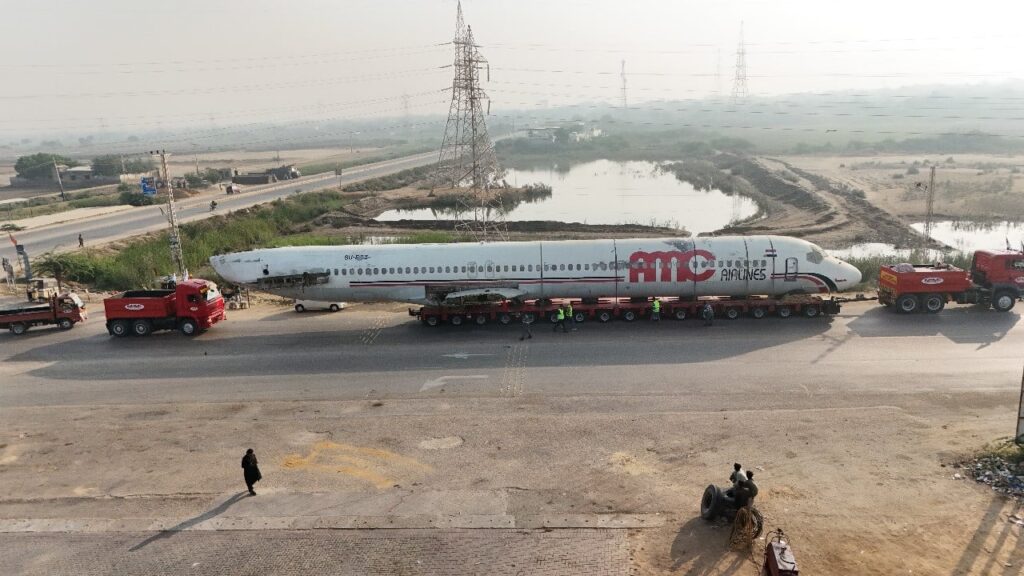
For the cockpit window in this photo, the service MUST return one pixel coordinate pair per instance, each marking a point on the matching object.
(816, 255)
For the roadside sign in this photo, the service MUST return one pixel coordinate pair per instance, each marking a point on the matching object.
(148, 186)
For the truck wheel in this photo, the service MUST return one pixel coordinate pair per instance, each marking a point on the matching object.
(907, 304)
(710, 503)
(18, 328)
(934, 303)
(480, 319)
(1003, 301)
(455, 320)
(679, 313)
(604, 316)
(188, 327)
(784, 311)
(553, 317)
(811, 310)
(300, 308)
(732, 313)
(335, 308)
(431, 320)
(65, 324)
(757, 312)
(119, 328)
(629, 315)
(142, 328)
(504, 318)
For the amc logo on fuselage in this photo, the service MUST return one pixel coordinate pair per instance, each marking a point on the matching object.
(134, 307)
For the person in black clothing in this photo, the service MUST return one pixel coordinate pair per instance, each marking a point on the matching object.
(746, 491)
(525, 320)
(252, 470)
(81, 241)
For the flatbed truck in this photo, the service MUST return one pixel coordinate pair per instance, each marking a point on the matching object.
(62, 310)
(192, 307)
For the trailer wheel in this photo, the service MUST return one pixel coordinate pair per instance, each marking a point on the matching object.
(431, 320)
(19, 328)
(679, 313)
(142, 328)
(907, 304)
(579, 317)
(65, 324)
(757, 312)
(784, 311)
(732, 313)
(455, 320)
(553, 317)
(604, 316)
(934, 303)
(188, 327)
(505, 318)
(119, 328)
(811, 311)
(1003, 301)
(480, 319)
(300, 308)
(629, 315)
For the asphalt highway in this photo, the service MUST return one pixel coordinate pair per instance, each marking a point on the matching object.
(109, 227)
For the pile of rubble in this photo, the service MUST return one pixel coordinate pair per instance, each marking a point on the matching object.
(1002, 474)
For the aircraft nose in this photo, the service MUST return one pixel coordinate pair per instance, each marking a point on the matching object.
(226, 269)
(849, 274)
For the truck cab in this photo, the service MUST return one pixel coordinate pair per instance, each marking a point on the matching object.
(200, 300)
(1001, 272)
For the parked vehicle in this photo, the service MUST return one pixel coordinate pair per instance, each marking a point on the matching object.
(192, 307)
(63, 310)
(996, 278)
(304, 305)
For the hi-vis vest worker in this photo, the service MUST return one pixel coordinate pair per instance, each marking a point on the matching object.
(656, 306)
(561, 315)
(568, 310)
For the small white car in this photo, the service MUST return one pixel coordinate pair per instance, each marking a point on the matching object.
(303, 305)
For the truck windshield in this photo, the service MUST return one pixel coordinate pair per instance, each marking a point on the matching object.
(78, 301)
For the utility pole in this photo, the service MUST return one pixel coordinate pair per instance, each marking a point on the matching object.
(172, 219)
(930, 206)
(123, 169)
(1019, 438)
(56, 172)
(625, 104)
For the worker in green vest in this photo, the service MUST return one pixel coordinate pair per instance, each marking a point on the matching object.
(656, 310)
(559, 320)
(570, 315)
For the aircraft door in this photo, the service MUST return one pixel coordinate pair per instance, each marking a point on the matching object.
(792, 269)
(489, 267)
(471, 270)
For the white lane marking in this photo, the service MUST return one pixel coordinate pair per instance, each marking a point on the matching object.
(463, 355)
(445, 379)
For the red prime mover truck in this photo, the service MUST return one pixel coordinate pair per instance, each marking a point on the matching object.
(996, 277)
(64, 310)
(192, 307)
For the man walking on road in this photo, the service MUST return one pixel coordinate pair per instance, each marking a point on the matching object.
(250, 467)
(525, 320)
(81, 241)
(570, 314)
(656, 310)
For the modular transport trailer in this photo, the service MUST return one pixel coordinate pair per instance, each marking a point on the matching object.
(192, 307)
(627, 309)
(996, 278)
(64, 311)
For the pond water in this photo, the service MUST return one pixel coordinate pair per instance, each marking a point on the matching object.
(960, 235)
(608, 192)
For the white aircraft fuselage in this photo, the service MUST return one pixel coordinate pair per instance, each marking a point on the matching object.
(644, 267)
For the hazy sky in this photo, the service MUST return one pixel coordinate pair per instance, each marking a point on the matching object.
(90, 66)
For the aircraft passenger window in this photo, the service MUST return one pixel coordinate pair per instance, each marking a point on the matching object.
(561, 267)
(579, 267)
(463, 269)
(530, 268)
(416, 270)
(391, 270)
(490, 268)
(586, 266)
(376, 271)
(447, 269)
(431, 269)
(472, 269)
(360, 271)
(335, 271)
(344, 272)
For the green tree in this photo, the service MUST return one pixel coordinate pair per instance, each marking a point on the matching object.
(109, 165)
(40, 165)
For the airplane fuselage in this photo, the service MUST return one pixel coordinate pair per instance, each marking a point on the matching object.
(428, 273)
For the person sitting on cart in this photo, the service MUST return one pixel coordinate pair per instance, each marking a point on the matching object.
(745, 491)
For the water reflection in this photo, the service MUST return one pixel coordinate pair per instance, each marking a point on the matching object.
(963, 236)
(609, 192)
